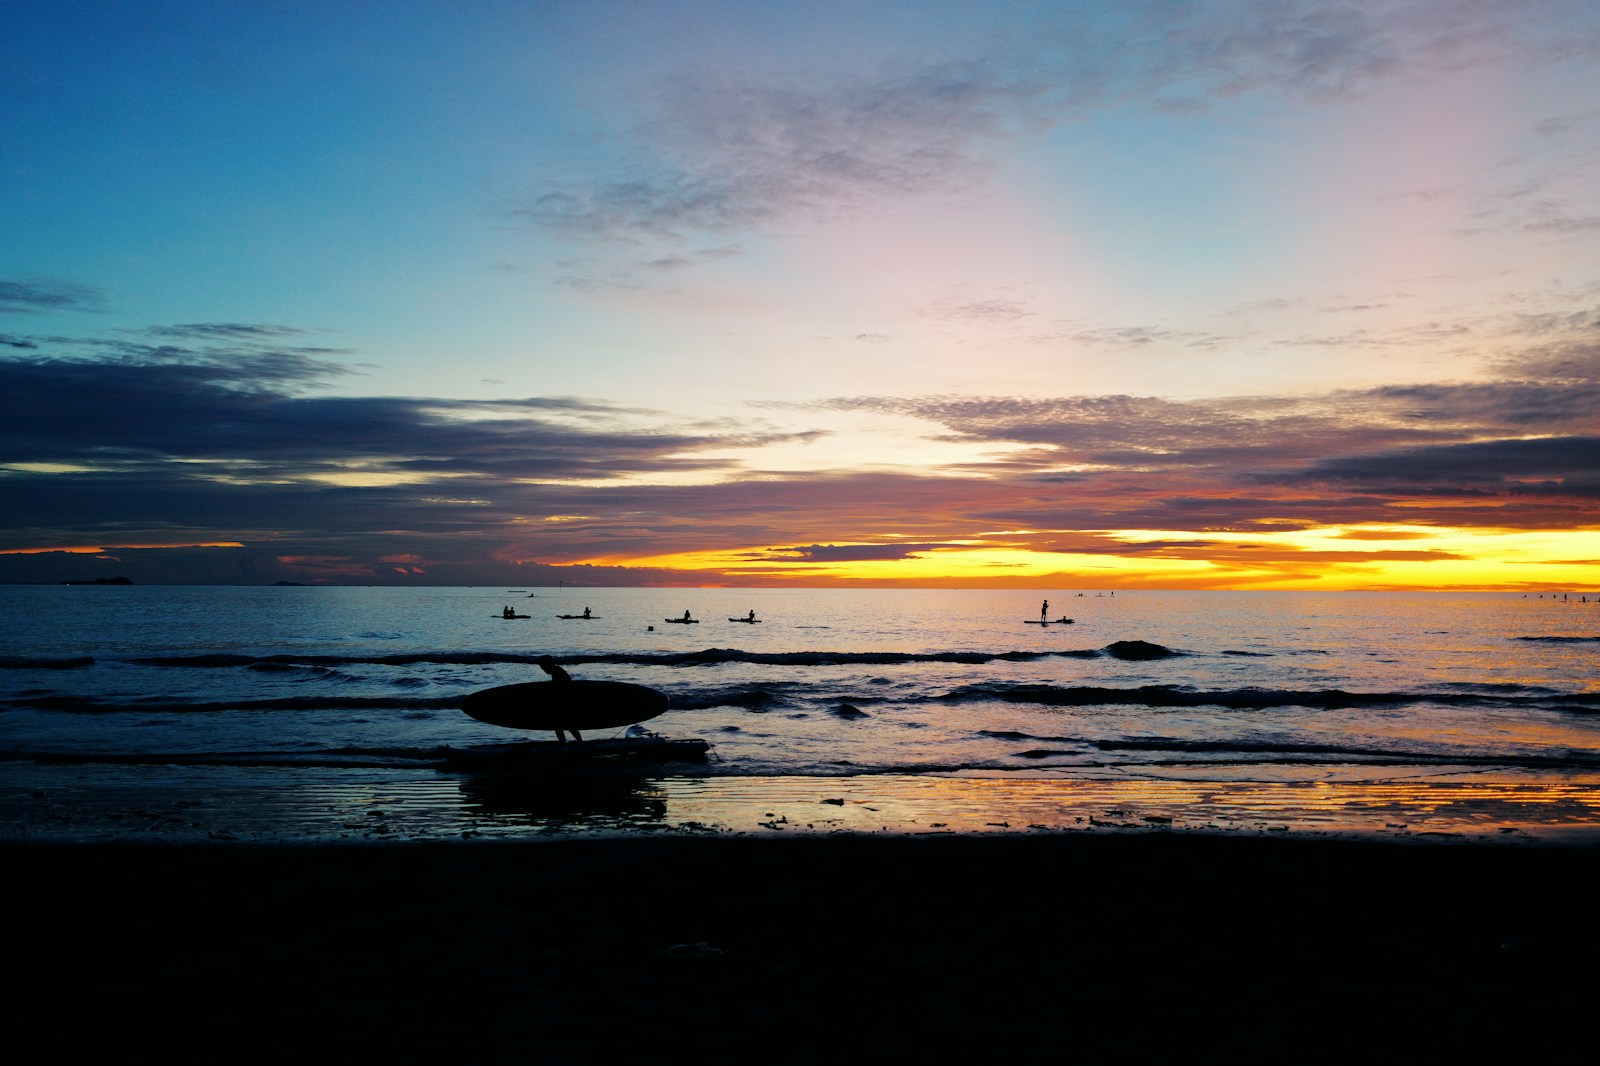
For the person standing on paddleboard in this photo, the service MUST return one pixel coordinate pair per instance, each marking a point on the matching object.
(1044, 611)
(558, 676)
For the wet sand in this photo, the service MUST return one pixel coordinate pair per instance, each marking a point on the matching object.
(825, 948)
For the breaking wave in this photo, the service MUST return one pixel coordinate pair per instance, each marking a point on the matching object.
(1259, 698)
(168, 705)
(1276, 752)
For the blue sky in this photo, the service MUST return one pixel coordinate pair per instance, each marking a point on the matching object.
(552, 285)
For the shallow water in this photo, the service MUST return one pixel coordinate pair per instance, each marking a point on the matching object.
(1265, 689)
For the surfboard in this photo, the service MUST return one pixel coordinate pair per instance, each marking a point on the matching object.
(565, 704)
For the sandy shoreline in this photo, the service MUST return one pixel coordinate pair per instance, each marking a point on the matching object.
(827, 948)
(198, 913)
(90, 803)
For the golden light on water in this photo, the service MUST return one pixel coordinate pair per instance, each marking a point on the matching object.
(1394, 807)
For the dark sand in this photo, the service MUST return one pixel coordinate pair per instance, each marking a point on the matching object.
(1168, 947)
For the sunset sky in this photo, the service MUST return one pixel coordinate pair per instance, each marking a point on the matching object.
(1037, 295)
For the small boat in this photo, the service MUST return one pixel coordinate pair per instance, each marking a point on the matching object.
(577, 616)
(509, 616)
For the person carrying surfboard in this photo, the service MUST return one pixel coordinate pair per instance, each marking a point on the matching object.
(559, 676)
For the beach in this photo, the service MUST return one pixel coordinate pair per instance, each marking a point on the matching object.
(1181, 947)
(1313, 829)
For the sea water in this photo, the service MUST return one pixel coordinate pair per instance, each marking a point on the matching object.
(1239, 687)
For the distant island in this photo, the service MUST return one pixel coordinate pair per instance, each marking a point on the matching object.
(101, 581)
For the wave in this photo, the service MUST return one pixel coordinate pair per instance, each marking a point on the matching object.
(1254, 698)
(25, 662)
(1278, 752)
(759, 698)
(1285, 752)
(767, 696)
(160, 705)
(706, 657)
(331, 758)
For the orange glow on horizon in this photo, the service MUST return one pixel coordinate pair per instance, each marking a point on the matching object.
(1331, 558)
(84, 550)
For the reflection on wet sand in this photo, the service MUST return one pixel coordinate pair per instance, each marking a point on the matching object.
(574, 801)
(307, 805)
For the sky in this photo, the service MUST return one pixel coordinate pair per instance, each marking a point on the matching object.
(1234, 295)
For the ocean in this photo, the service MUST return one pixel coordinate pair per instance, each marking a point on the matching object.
(292, 713)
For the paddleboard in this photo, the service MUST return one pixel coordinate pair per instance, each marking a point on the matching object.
(1047, 622)
(565, 704)
(683, 621)
(583, 616)
(508, 617)
(744, 619)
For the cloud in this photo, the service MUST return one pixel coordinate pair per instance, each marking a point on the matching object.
(850, 553)
(717, 154)
(1565, 225)
(990, 311)
(720, 157)
(245, 414)
(31, 296)
(226, 331)
(218, 436)
(1564, 466)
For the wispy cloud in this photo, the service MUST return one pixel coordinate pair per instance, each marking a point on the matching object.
(28, 296)
(712, 156)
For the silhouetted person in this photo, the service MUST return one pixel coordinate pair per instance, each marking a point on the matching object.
(553, 668)
(686, 616)
(752, 614)
(560, 677)
(586, 612)
(1044, 611)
